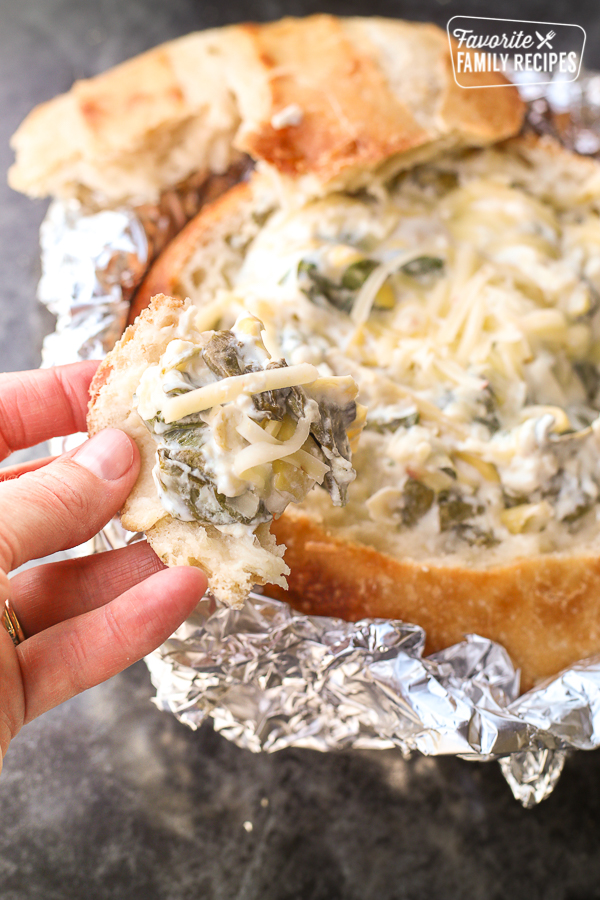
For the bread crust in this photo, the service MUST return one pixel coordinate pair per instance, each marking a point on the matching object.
(321, 97)
(164, 276)
(544, 610)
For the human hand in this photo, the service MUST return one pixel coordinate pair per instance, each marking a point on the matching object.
(84, 619)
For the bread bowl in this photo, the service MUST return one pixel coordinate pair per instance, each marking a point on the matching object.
(538, 599)
(513, 305)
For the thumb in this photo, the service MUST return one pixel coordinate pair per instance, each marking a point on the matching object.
(68, 501)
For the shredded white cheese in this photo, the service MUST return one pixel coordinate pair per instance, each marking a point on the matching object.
(227, 389)
(259, 453)
(502, 339)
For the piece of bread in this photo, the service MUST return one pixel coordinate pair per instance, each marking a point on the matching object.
(233, 563)
(538, 590)
(320, 99)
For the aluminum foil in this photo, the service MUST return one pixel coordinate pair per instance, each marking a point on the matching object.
(90, 265)
(270, 678)
(267, 676)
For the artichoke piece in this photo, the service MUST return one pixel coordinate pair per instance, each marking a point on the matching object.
(290, 480)
(385, 297)
(184, 358)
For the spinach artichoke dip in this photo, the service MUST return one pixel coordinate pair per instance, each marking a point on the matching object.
(240, 435)
(463, 298)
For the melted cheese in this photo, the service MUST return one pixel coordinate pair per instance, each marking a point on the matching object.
(228, 389)
(261, 452)
(490, 351)
(232, 460)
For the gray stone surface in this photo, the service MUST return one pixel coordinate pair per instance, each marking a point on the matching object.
(106, 797)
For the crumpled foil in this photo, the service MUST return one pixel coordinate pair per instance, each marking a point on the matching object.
(270, 678)
(91, 264)
(267, 676)
(566, 110)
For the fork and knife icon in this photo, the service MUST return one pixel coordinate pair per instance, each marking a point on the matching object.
(545, 41)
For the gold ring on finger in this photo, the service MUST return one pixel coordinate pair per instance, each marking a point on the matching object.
(12, 624)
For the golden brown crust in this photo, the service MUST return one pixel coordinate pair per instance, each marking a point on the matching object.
(545, 611)
(488, 115)
(310, 63)
(163, 277)
(360, 91)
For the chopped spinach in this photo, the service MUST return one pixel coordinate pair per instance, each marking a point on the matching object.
(318, 287)
(578, 512)
(475, 536)
(382, 426)
(449, 472)
(454, 515)
(439, 181)
(281, 402)
(221, 355)
(183, 469)
(453, 510)
(417, 499)
(510, 500)
(487, 412)
(356, 274)
(199, 494)
(422, 265)
(330, 433)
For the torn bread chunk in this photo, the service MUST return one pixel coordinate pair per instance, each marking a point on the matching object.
(318, 99)
(230, 437)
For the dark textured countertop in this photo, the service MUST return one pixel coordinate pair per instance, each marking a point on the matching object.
(105, 797)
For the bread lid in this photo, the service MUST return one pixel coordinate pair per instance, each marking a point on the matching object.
(320, 99)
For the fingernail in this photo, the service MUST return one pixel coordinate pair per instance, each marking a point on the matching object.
(108, 455)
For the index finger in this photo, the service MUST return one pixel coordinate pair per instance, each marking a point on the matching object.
(46, 403)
